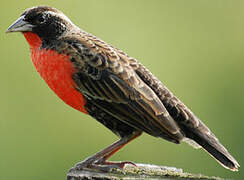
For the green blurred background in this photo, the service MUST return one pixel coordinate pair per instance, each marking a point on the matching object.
(194, 47)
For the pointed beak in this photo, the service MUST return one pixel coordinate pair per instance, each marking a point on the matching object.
(20, 25)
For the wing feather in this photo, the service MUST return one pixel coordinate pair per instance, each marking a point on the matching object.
(106, 74)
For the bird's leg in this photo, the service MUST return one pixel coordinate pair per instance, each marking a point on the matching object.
(104, 159)
(99, 160)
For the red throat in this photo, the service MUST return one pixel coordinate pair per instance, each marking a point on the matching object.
(57, 70)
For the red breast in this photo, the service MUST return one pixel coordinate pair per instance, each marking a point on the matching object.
(57, 70)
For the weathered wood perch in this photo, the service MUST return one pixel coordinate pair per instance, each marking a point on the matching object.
(142, 171)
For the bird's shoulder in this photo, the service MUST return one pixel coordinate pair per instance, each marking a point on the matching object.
(104, 56)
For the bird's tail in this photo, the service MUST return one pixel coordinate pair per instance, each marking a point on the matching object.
(207, 140)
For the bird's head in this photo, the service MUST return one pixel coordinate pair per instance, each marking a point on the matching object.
(46, 22)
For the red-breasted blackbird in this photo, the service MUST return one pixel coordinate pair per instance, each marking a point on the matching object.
(100, 80)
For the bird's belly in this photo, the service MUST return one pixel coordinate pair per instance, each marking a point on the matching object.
(57, 70)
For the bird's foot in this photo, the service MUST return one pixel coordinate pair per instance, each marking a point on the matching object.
(117, 165)
(99, 160)
(101, 165)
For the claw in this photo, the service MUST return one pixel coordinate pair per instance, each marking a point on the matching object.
(105, 166)
(119, 165)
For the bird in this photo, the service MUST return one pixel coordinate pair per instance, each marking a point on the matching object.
(104, 82)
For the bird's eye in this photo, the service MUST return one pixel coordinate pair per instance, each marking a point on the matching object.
(40, 19)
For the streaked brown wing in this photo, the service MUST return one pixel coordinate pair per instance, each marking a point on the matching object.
(112, 95)
(108, 75)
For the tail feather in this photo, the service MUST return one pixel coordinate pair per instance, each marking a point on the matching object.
(207, 140)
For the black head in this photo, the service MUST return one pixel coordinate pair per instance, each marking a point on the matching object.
(46, 22)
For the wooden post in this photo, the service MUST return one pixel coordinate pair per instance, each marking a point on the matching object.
(142, 171)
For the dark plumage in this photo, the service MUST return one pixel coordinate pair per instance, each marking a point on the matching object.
(119, 91)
